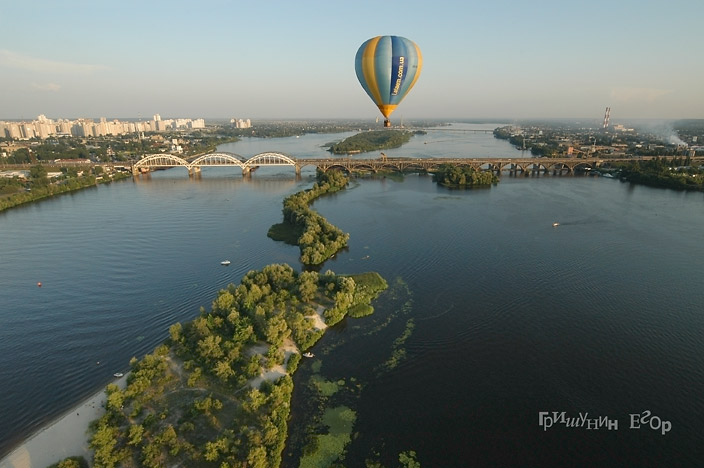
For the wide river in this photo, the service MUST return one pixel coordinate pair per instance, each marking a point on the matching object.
(601, 316)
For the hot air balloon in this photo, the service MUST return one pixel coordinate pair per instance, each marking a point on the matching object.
(387, 68)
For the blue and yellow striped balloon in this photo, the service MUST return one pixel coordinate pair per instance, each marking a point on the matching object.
(388, 67)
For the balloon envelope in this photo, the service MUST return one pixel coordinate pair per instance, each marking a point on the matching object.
(388, 67)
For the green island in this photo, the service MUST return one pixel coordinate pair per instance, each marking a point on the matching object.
(372, 141)
(317, 238)
(218, 392)
(464, 177)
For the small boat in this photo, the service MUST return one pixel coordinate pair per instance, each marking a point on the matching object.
(308, 354)
(118, 374)
(555, 224)
(225, 262)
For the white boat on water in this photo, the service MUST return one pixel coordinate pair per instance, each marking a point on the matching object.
(225, 262)
(118, 374)
(555, 224)
(308, 354)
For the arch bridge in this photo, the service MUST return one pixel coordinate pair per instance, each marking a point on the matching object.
(219, 159)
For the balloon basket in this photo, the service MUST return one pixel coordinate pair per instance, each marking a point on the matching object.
(387, 123)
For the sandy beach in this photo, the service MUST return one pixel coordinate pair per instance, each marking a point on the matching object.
(64, 437)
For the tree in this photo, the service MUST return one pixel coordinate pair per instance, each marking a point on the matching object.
(103, 443)
(408, 459)
(135, 434)
(223, 370)
(209, 348)
(277, 330)
(38, 175)
(307, 285)
(257, 457)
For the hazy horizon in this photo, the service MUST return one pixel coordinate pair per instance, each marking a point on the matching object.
(282, 61)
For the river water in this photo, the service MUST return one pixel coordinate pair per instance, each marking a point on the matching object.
(600, 315)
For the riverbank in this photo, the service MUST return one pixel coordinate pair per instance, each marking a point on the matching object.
(41, 192)
(65, 437)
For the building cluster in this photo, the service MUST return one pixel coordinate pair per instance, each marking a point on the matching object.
(43, 127)
(241, 123)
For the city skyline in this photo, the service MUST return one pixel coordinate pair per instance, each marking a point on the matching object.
(296, 60)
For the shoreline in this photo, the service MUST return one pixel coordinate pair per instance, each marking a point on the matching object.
(63, 437)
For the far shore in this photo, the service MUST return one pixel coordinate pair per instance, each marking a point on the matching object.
(64, 437)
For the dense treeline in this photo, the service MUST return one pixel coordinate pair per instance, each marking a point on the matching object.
(16, 191)
(193, 402)
(371, 141)
(673, 173)
(463, 176)
(50, 151)
(317, 239)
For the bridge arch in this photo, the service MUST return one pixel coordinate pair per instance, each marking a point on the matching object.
(336, 167)
(490, 166)
(218, 159)
(508, 166)
(536, 167)
(161, 160)
(559, 167)
(585, 165)
(411, 167)
(270, 159)
(366, 167)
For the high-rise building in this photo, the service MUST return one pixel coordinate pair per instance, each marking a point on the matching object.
(44, 128)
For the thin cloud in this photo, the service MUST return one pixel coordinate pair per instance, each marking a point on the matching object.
(46, 86)
(639, 94)
(11, 59)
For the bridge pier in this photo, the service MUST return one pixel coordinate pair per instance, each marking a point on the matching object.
(194, 171)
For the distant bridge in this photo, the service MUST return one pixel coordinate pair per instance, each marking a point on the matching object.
(467, 130)
(223, 159)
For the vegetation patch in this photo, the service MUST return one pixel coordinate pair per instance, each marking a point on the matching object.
(285, 232)
(325, 449)
(325, 387)
(368, 287)
(398, 352)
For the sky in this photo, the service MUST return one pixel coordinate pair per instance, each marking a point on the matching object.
(270, 59)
